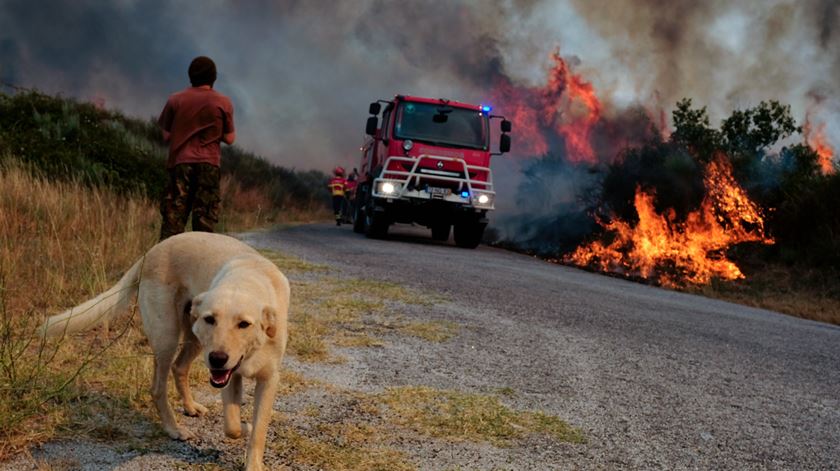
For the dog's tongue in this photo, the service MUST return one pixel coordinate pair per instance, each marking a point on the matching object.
(219, 378)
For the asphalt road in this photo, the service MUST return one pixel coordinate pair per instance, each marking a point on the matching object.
(656, 379)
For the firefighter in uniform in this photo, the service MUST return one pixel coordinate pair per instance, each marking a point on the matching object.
(350, 198)
(338, 186)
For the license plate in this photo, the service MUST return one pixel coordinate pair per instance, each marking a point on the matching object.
(439, 192)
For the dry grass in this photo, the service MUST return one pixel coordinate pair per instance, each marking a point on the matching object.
(431, 331)
(60, 244)
(328, 311)
(357, 431)
(289, 264)
(802, 292)
(251, 209)
(455, 415)
(340, 448)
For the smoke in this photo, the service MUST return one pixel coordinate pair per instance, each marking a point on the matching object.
(301, 73)
(724, 54)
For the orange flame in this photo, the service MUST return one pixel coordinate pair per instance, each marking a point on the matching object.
(571, 104)
(815, 138)
(566, 106)
(674, 252)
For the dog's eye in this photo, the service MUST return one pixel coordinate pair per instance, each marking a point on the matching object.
(244, 325)
(210, 320)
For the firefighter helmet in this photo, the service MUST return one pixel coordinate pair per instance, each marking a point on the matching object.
(339, 171)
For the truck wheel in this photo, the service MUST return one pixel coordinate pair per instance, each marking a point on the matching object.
(441, 232)
(358, 214)
(468, 234)
(376, 225)
(359, 222)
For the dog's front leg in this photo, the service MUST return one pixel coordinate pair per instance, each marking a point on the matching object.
(232, 401)
(264, 394)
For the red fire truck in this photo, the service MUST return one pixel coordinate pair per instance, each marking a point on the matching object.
(428, 163)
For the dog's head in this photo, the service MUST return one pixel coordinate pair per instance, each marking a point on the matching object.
(230, 326)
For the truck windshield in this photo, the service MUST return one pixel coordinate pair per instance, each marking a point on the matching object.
(460, 127)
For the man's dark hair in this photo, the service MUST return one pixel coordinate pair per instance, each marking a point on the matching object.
(202, 71)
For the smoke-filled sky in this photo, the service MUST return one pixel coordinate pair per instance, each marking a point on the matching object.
(301, 73)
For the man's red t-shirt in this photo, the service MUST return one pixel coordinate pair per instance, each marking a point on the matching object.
(196, 119)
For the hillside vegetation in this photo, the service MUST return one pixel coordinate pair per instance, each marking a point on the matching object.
(63, 139)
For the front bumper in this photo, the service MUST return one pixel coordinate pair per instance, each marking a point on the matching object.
(411, 185)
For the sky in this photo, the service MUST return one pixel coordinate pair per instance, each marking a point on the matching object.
(301, 73)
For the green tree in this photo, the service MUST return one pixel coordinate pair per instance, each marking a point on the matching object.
(692, 131)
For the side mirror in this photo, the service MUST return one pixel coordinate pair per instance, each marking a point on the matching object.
(374, 108)
(504, 142)
(372, 124)
(506, 125)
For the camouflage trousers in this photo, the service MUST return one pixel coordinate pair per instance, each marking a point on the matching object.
(192, 188)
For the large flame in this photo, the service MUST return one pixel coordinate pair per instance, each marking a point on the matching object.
(674, 252)
(566, 106)
(815, 138)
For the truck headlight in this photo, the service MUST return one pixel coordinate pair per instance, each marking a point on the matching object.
(387, 188)
(482, 199)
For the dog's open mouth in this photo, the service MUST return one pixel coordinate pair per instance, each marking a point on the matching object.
(220, 378)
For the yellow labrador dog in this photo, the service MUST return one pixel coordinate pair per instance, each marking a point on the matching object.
(203, 291)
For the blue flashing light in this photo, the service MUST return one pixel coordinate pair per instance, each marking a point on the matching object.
(465, 194)
(486, 108)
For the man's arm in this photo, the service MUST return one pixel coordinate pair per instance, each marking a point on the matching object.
(165, 121)
(228, 129)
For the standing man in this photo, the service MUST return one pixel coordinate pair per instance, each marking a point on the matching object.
(195, 122)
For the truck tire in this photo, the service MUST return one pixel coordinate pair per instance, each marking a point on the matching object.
(468, 234)
(376, 224)
(358, 212)
(441, 231)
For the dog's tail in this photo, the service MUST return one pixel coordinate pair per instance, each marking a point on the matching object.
(105, 306)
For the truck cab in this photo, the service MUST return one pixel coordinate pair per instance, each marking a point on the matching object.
(428, 162)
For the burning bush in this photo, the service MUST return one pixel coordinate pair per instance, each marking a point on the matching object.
(671, 211)
(610, 191)
(661, 247)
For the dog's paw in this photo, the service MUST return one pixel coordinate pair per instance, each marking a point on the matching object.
(231, 433)
(255, 466)
(194, 410)
(181, 433)
(243, 430)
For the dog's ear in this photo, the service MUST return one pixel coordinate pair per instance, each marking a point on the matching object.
(195, 305)
(269, 321)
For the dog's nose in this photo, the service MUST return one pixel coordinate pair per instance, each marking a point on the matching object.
(218, 359)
